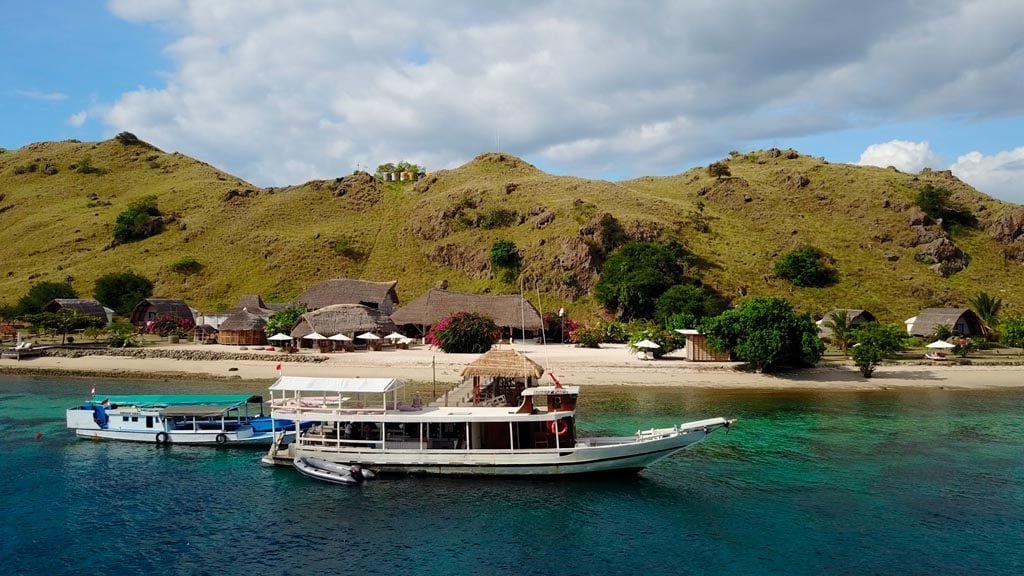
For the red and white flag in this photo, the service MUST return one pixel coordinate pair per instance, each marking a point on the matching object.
(561, 311)
(93, 391)
(105, 401)
(278, 369)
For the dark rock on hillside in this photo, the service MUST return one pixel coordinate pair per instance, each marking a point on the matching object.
(945, 257)
(1008, 226)
(471, 262)
(360, 189)
(919, 235)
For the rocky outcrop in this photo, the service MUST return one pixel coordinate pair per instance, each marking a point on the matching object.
(471, 262)
(945, 257)
(575, 266)
(360, 189)
(1008, 226)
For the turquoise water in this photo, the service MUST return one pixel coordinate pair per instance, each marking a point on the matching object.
(923, 482)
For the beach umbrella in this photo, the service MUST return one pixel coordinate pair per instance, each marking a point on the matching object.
(646, 344)
(279, 337)
(942, 344)
(339, 337)
(315, 336)
(395, 336)
(368, 336)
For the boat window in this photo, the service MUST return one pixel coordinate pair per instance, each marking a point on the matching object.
(124, 418)
(135, 418)
(149, 421)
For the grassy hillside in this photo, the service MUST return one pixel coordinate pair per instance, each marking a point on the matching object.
(57, 223)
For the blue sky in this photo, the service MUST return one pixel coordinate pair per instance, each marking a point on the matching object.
(279, 94)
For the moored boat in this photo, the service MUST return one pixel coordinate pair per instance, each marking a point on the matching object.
(361, 421)
(174, 419)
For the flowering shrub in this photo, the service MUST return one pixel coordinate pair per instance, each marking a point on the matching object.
(464, 332)
(560, 328)
(167, 324)
(433, 337)
(587, 336)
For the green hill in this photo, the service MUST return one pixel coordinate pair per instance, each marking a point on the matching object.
(56, 223)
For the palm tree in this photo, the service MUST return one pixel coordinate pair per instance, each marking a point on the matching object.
(987, 308)
(842, 330)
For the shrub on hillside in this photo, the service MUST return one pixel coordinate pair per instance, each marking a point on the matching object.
(84, 166)
(122, 291)
(186, 265)
(498, 218)
(140, 220)
(719, 170)
(805, 267)
(935, 202)
(505, 259)
(635, 276)
(464, 333)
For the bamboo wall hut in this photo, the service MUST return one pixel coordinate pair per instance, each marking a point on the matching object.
(500, 375)
(854, 318)
(243, 328)
(377, 295)
(205, 334)
(348, 319)
(84, 306)
(152, 308)
(962, 321)
(697, 349)
(512, 314)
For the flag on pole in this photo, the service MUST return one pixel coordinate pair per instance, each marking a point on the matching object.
(278, 369)
(93, 391)
(561, 311)
(105, 402)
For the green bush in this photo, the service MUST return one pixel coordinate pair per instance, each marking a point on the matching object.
(1011, 332)
(284, 321)
(121, 335)
(122, 291)
(876, 342)
(719, 170)
(40, 294)
(140, 220)
(767, 333)
(667, 340)
(505, 259)
(635, 276)
(613, 332)
(465, 333)
(805, 267)
(498, 218)
(687, 303)
(588, 336)
(186, 265)
(84, 166)
(935, 202)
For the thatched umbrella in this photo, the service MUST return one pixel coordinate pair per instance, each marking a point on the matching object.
(508, 372)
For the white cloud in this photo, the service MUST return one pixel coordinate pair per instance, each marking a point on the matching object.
(278, 90)
(905, 156)
(1000, 175)
(39, 95)
(78, 118)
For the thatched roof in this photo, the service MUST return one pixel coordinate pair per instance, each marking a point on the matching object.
(254, 304)
(243, 320)
(503, 363)
(853, 316)
(348, 291)
(507, 311)
(205, 329)
(82, 305)
(963, 321)
(345, 319)
(161, 307)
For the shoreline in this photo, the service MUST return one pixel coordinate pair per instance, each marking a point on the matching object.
(607, 366)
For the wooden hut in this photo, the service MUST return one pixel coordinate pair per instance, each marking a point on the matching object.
(962, 321)
(152, 308)
(348, 319)
(205, 334)
(500, 375)
(697, 350)
(83, 306)
(243, 328)
(513, 314)
(377, 295)
(854, 318)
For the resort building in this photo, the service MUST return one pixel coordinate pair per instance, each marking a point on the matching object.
(152, 308)
(961, 321)
(854, 318)
(243, 328)
(513, 314)
(83, 306)
(697, 350)
(377, 295)
(340, 326)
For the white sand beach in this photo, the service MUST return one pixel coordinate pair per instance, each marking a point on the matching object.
(609, 365)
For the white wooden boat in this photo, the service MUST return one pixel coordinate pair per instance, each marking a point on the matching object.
(362, 422)
(173, 419)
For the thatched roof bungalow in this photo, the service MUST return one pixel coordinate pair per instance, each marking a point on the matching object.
(243, 328)
(152, 308)
(500, 375)
(853, 317)
(83, 306)
(348, 319)
(376, 295)
(205, 334)
(511, 313)
(962, 321)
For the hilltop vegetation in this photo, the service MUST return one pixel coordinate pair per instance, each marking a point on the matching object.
(58, 222)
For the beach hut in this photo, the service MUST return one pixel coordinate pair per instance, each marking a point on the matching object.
(376, 295)
(348, 319)
(855, 318)
(697, 349)
(962, 321)
(500, 375)
(152, 308)
(513, 314)
(205, 334)
(243, 328)
(84, 306)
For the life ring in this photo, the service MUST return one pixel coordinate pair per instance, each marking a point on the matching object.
(221, 439)
(162, 438)
(554, 428)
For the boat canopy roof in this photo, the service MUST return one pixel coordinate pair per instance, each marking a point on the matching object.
(336, 385)
(552, 391)
(165, 400)
(195, 411)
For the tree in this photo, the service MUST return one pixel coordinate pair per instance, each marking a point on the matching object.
(942, 332)
(635, 276)
(121, 334)
(988, 308)
(40, 294)
(465, 333)
(692, 300)
(122, 291)
(935, 202)
(140, 220)
(1012, 332)
(805, 267)
(842, 330)
(283, 321)
(505, 259)
(667, 340)
(64, 322)
(765, 332)
(875, 342)
(719, 170)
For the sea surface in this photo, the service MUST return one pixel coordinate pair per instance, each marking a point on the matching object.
(886, 482)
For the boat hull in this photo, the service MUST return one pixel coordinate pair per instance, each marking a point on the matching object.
(185, 438)
(629, 456)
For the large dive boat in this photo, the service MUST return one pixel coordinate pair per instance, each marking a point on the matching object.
(360, 421)
(176, 419)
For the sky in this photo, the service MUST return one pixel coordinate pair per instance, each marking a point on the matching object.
(283, 91)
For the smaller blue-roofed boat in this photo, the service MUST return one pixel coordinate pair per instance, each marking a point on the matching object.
(221, 419)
